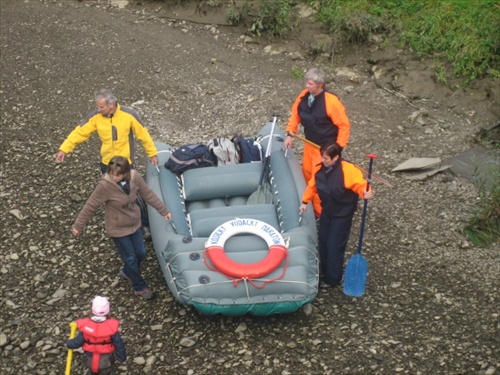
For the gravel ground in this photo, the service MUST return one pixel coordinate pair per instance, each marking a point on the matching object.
(431, 303)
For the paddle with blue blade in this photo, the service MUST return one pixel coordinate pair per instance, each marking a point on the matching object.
(357, 267)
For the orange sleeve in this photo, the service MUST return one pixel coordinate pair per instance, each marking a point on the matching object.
(294, 121)
(311, 190)
(336, 111)
(353, 178)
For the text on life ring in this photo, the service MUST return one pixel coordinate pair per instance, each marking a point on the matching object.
(214, 248)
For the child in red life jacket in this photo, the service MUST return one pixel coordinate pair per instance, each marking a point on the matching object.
(100, 339)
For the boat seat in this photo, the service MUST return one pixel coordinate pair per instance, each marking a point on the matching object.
(221, 182)
(203, 222)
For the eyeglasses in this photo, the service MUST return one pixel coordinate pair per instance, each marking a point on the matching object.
(115, 163)
(104, 106)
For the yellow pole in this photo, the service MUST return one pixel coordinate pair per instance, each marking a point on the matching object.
(72, 335)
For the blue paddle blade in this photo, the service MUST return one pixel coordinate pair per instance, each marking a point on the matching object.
(355, 276)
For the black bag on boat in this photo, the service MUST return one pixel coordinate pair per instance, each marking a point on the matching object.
(248, 150)
(188, 157)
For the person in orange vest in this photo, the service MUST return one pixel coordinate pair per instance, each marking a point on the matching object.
(100, 339)
(339, 185)
(324, 119)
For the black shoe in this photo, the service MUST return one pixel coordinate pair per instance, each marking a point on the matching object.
(146, 233)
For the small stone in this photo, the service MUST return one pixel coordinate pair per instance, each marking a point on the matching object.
(241, 327)
(307, 309)
(24, 345)
(17, 214)
(139, 361)
(187, 342)
(60, 293)
(75, 197)
(3, 340)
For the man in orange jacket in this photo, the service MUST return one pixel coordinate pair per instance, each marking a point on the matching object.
(324, 119)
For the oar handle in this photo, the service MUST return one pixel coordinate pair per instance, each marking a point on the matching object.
(370, 168)
(365, 203)
(304, 140)
(69, 360)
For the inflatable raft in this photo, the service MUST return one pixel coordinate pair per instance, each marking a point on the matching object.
(224, 254)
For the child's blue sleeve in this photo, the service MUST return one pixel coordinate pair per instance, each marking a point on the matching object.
(75, 343)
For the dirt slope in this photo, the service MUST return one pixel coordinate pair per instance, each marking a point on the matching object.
(431, 305)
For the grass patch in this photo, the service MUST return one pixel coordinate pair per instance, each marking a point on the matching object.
(297, 73)
(275, 17)
(464, 33)
(484, 228)
(351, 20)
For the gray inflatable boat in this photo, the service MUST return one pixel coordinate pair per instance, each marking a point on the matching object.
(224, 253)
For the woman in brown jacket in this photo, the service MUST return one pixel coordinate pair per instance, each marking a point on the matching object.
(118, 190)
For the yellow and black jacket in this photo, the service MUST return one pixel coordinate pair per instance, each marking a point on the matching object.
(116, 133)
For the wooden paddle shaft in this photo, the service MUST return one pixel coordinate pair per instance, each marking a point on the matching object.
(304, 140)
(318, 147)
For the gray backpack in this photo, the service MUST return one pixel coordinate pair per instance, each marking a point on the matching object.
(223, 151)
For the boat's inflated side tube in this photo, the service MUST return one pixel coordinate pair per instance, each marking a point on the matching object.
(170, 192)
(284, 191)
(214, 249)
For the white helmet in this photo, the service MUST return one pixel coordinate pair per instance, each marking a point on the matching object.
(100, 306)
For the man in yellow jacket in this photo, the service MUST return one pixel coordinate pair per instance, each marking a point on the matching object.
(115, 126)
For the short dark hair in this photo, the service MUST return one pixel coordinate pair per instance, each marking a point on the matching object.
(119, 166)
(332, 150)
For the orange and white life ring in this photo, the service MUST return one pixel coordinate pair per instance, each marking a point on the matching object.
(214, 248)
